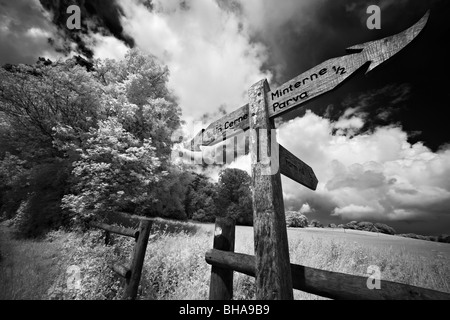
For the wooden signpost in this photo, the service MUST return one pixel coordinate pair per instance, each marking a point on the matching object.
(310, 84)
(273, 268)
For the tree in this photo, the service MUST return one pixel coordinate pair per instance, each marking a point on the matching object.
(40, 211)
(13, 186)
(296, 219)
(170, 195)
(35, 99)
(108, 124)
(316, 224)
(234, 196)
(115, 172)
(136, 93)
(200, 200)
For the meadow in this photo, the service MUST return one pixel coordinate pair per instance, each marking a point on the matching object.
(175, 267)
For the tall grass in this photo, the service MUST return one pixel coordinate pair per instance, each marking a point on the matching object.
(175, 267)
(396, 263)
(28, 268)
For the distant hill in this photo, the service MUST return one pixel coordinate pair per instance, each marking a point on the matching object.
(297, 220)
(383, 228)
(444, 238)
(369, 226)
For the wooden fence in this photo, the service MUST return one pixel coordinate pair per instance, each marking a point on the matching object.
(130, 272)
(333, 285)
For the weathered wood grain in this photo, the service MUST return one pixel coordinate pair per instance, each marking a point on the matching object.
(329, 74)
(140, 247)
(120, 269)
(333, 285)
(273, 277)
(238, 262)
(221, 285)
(295, 169)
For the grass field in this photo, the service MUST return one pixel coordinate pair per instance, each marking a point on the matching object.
(175, 267)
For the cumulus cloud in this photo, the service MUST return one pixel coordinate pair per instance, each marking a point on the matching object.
(374, 176)
(306, 209)
(25, 28)
(216, 49)
(98, 18)
(352, 212)
(32, 28)
(108, 47)
(208, 50)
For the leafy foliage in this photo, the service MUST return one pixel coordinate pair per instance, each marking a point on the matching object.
(41, 211)
(13, 186)
(101, 134)
(35, 99)
(296, 219)
(135, 92)
(171, 194)
(82, 139)
(234, 196)
(115, 171)
(315, 224)
(200, 201)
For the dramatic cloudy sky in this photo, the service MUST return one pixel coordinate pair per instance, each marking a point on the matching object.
(379, 144)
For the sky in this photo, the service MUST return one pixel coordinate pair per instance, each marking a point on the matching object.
(379, 144)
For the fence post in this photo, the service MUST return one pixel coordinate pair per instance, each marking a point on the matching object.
(273, 268)
(221, 286)
(107, 238)
(140, 247)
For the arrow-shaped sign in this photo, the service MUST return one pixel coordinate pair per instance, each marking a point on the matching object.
(227, 127)
(329, 74)
(310, 84)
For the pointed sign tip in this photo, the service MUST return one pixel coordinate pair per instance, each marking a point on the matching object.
(411, 32)
(391, 45)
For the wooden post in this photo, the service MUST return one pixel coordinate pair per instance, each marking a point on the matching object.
(273, 271)
(107, 238)
(132, 285)
(221, 286)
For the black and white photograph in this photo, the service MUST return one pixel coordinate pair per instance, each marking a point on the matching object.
(235, 151)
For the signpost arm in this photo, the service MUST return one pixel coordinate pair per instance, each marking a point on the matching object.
(273, 272)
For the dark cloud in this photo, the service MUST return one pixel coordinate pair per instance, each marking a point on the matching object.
(29, 29)
(323, 29)
(24, 30)
(97, 16)
(408, 90)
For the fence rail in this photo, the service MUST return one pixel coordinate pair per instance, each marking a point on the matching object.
(132, 274)
(328, 284)
(120, 269)
(128, 232)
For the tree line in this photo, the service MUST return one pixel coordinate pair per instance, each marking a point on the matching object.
(79, 139)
